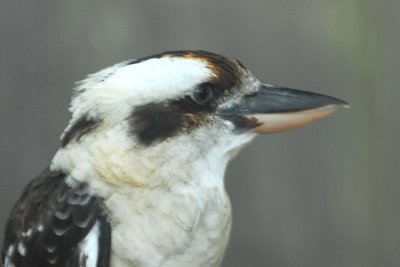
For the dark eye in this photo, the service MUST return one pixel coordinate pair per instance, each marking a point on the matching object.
(203, 94)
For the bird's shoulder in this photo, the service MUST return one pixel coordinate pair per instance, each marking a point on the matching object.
(54, 223)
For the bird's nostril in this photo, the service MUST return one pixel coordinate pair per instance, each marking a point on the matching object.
(253, 94)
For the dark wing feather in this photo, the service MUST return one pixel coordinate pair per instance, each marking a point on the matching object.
(48, 223)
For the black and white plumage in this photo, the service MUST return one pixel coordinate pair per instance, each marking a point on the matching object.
(138, 180)
(55, 224)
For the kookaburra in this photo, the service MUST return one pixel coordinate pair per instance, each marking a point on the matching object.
(139, 178)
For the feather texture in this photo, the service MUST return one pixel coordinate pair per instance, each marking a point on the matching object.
(54, 224)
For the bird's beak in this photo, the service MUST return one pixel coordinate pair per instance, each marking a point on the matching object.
(274, 109)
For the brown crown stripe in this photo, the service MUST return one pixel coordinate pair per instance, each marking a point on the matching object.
(227, 72)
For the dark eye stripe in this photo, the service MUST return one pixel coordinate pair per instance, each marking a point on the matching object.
(158, 121)
(155, 121)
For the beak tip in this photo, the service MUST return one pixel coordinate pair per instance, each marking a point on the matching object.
(346, 105)
(342, 103)
(335, 102)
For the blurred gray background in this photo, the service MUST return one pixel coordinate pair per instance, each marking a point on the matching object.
(323, 195)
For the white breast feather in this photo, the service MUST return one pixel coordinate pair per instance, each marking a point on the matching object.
(168, 202)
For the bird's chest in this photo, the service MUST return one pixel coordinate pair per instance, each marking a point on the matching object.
(162, 228)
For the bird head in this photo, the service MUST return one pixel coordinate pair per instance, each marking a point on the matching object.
(177, 108)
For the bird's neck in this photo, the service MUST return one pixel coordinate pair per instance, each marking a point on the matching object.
(110, 160)
(179, 182)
